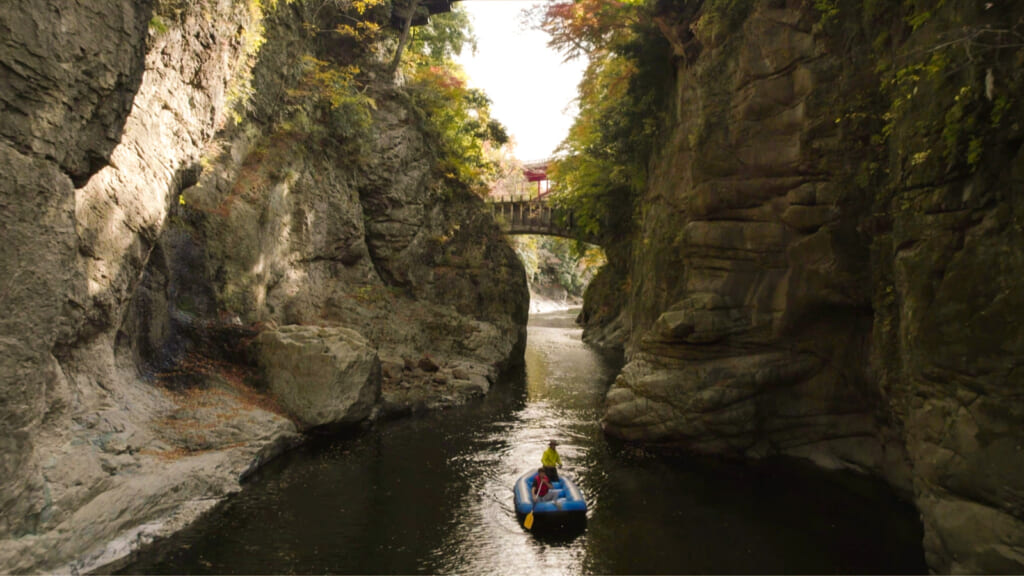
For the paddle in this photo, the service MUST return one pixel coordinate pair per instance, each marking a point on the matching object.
(528, 521)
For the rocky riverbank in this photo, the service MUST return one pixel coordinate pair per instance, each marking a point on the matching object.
(171, 273)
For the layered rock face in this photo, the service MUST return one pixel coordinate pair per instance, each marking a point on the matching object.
(81, 89)
(752, 313)
(799, 292)
(289, 231)
(129, 333)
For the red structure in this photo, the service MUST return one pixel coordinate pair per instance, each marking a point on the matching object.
(536, 171)
(530, 184)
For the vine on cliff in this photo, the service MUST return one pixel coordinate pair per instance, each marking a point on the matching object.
(947, 86)
(603, 161)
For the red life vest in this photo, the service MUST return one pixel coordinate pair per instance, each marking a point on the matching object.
(542, 485)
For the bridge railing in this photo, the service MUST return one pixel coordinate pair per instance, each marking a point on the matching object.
(522, 214)
(524, 194)
(525, 197)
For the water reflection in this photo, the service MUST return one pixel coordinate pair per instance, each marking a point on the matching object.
(434, 495)
(565, 382)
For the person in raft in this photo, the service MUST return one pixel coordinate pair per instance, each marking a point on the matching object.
(549, 460)
(542, 490)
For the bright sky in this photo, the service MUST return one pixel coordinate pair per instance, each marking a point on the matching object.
(531, 89)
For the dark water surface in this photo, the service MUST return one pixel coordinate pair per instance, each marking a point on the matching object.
(434, 495)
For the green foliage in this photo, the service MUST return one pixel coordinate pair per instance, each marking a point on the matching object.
(443, 37)
(587, 191)
(336, 100)
(919, 12)
(557, 260)
(324, 95)
(239, 92)
(943, 92)
(622, 102)
(829, 10)
(157, 25)
(999, 110)
(722, 18)
(328, 103)
(946, 79)
(960, 125)
(356, 20)
(458, 120)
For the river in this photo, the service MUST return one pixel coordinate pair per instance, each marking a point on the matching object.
(433, 495)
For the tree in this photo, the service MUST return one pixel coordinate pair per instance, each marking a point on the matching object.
(455, 116)
(587, 27)
(603, 160)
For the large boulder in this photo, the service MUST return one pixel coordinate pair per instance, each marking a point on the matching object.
(321, 375)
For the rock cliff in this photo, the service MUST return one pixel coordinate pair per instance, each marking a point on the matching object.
(155, 256)
(828, 262)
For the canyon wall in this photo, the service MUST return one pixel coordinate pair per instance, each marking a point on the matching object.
(156, 260)
(827, 261)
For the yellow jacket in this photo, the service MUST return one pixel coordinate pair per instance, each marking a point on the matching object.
(550, 458)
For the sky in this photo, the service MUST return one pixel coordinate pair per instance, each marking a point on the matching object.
(531, 89)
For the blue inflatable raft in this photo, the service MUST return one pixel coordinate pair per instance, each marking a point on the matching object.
(569, 509)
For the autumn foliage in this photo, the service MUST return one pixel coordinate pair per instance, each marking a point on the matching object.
(587, 27)
(602, 162)
(453, 116)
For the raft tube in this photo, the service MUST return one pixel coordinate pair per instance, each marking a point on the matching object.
(568, 509)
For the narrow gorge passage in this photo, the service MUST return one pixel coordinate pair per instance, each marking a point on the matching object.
(231, 225)
(433, 495)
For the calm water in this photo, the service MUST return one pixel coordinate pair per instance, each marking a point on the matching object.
(434, 495)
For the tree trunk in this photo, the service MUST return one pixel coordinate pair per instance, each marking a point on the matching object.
(404, 39)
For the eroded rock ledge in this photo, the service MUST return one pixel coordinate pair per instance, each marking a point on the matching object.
(810, 286)
(147, 249)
